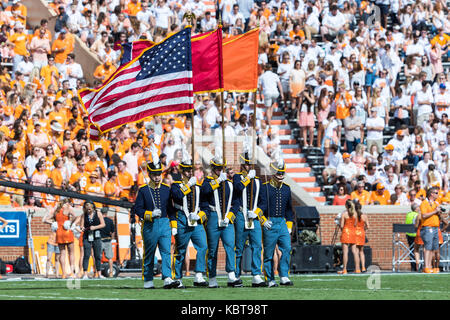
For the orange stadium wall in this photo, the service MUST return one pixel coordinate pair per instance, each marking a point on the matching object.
(37, 10)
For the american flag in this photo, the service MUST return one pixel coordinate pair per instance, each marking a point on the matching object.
(159, 81)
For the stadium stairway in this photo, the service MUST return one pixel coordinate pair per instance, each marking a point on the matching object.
(297, 166)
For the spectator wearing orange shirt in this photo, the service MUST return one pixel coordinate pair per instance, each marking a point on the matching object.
(94, 187)
(61, 47)
(5, 198)
(380, 196)
(430, 212)
(297, 31)
(80, 177)
(58, 174)
(362, 195)
(18, 12)
(16, 174)
(19, 39)
(125, 180)
(343, 102)
(111, 188)
(50, 72)
(133, 7)
(93, 163)
(104, 71)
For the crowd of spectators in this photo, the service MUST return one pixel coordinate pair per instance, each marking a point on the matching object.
(339, 64)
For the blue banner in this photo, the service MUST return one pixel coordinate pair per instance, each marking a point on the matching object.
(15, 232)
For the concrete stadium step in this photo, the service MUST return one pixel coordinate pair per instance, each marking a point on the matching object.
(288, 141)
(312, 189)
(284, 131)
(307, 184)
(303, 174)
(291, 150)
(294, 160)
(305, 179)
(290, 146)
(321, 199)
(299, 169)
(297, 165)
(293, 155)
(278, 121)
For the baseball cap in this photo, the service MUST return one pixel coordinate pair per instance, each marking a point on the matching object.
(380, 186)
(346, 155)
(389, 147)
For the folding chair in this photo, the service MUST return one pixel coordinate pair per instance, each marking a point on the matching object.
(401, 251)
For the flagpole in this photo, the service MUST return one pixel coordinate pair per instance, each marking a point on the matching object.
(223, 133)
(190, 16)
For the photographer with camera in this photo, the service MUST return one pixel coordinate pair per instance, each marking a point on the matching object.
(430, 212)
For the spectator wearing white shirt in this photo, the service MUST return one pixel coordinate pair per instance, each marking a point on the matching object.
(441, 101)
(270, 85)
(312, 24)
(424, 100)
(72, 71)
(208, 23)
(233, 16)
(162, 14)
(438, 153)
(131, 159)
(347, 168)
(375, 127)
(392, 157)
(422, 166)
(401, 104)
(25, 67)
(332, 23)
(331, 163)
(434, 137)
(401, 145)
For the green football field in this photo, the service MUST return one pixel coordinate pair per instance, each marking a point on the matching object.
(376, 286)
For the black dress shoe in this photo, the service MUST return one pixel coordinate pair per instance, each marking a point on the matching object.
(201, 284)
(235, 284)
(172, 285)
(259, 285)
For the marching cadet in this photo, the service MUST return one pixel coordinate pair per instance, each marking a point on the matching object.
(153, 206)
(187, 223)
(277, 222)
(221, 213)
(247, 192)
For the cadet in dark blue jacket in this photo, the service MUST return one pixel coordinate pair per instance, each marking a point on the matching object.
(277, 223)
(247, 188)
(188, 223)
(153, 206)
(221, 213)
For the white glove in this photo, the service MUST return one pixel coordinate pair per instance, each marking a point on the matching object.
(289, 230)
(174, 231)
(251, 174)
(226, 221)
(54, 226)
(76, 232)
(267, 225)
(156, 213)
(192, 182)
(193, 216)
(222, 177)
(66, 225)
(251, 215)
